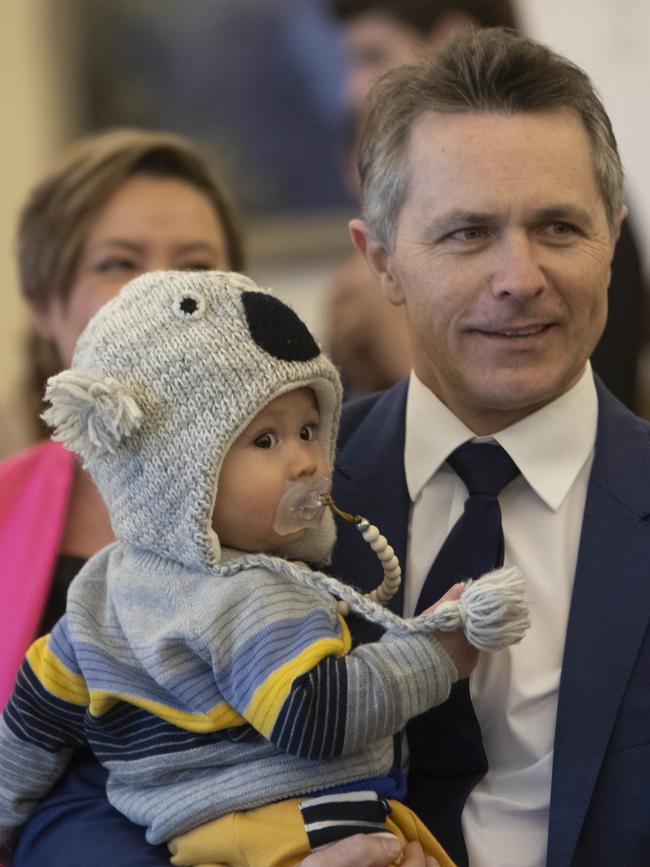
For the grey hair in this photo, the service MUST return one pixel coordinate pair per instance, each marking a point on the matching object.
(492, 71)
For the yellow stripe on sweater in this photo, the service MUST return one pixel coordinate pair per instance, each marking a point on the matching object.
(54, 675)
(264, 707)
(221, 716)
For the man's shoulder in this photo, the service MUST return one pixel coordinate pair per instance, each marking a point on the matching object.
(617, 423)
(354, 413)
(621, 464)
(370, 408)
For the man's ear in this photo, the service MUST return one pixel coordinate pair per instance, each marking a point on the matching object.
(618, 222)
(378, 258)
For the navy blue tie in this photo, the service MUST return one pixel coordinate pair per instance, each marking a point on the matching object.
(447, 739)
(475, 542)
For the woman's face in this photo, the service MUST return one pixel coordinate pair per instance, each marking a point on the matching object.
(150, 223)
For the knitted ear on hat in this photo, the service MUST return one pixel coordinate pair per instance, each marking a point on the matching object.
(90, 416)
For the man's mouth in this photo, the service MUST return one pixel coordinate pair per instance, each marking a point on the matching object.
(512, 331)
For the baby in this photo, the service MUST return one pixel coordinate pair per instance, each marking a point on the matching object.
(206, 665)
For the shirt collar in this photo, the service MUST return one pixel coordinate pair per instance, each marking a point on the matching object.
(550, 446)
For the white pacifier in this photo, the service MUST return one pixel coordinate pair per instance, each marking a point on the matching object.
(301, 505)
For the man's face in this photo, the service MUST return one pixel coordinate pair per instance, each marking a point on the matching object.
(502, 258)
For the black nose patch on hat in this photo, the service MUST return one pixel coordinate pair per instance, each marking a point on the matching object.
(277, 329)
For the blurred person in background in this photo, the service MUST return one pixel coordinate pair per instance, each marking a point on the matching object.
(117, 204)
(366, 335)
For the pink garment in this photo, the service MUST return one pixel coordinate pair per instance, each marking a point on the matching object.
(34, 490)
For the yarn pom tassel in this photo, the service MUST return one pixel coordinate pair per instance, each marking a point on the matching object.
(492, 611)
(90, 416)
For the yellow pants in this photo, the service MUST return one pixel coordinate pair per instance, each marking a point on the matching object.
(275, 836)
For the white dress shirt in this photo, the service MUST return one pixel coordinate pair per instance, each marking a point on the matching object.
(514, 691)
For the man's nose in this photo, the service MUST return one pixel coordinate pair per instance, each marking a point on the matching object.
(518, 272)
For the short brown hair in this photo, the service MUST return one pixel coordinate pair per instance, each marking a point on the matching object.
(488, 71)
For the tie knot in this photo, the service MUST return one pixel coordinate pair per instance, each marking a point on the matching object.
(485, 468)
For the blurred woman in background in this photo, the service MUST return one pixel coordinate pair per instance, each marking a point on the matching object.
(118, 204)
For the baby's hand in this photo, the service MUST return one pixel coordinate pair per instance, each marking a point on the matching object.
(464, 655)
(493, 611)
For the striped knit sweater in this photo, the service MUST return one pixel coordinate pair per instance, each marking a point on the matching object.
(208, 692)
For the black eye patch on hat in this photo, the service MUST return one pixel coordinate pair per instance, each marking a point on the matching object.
(276, 329)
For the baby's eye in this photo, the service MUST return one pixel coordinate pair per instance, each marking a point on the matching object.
(265, 440)
(308, 432)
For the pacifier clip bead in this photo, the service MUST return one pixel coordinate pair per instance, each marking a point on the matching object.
(379, 544)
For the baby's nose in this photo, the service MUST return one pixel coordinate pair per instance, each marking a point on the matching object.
(304, 463)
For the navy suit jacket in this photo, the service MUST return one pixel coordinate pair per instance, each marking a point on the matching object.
(600, 798)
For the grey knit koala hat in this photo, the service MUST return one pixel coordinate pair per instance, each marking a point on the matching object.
(164, 378)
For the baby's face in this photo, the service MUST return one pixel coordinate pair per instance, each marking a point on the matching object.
(280, 446)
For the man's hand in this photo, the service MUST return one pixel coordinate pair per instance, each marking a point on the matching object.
(364, 851)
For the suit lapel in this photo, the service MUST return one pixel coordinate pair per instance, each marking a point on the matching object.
(609, 616)
(369, 480)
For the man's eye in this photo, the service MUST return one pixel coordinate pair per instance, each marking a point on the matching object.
(265, 441)
(561, 229)
(559, 232)
(468, 233)
(308, 432)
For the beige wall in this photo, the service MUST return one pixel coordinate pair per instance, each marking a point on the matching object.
(36, 118)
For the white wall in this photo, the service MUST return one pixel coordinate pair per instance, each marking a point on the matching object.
(610, 39)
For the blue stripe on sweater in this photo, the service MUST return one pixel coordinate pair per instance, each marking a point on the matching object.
(124, 733)
(270, 649)
(59, 642)
(127, 733)
(188, 684)
(36, 716)
(103, 672)
(311, 722)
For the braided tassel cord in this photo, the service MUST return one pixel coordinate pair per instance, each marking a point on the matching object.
(492, 611)
(493, 614)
